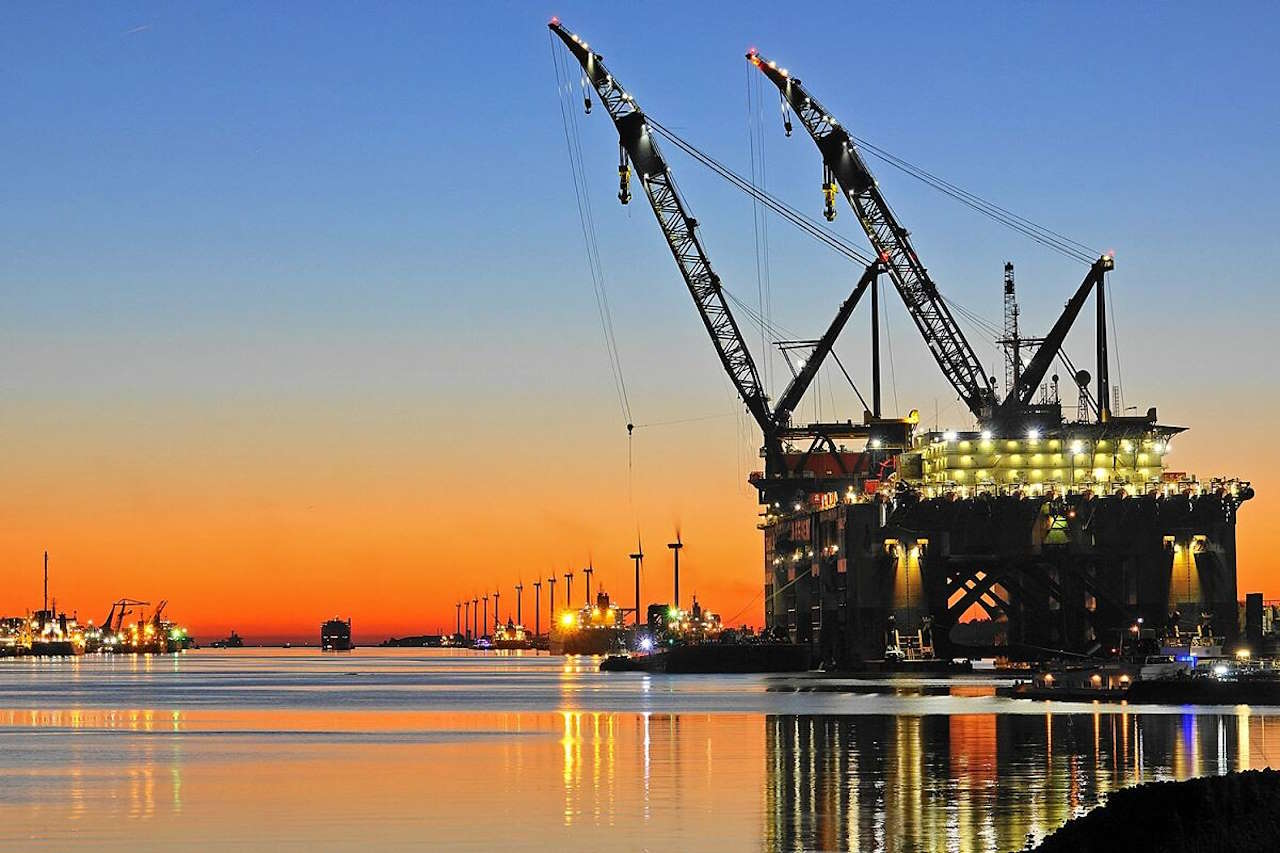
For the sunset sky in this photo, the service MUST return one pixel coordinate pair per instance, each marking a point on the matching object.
(297, 318)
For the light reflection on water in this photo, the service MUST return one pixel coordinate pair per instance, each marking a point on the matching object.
(256, 750)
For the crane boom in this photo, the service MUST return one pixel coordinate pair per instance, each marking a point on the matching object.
(846, 167)
(791, 396)
(1030, 377)
(679, 228)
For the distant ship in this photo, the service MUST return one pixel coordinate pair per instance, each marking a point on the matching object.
(594, 630)
(335, 636)
(235, 641)
(512, 636)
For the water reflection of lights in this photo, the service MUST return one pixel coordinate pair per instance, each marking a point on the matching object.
(974, 782)
(647, 769)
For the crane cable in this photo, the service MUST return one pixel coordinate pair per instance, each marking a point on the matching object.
(809, 226)
(836, 242)
(1052, 239)
(759, 222)
(822, 234)
(586, 217)
(1045, 236)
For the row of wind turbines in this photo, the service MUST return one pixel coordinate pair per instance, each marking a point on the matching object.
(469, 621)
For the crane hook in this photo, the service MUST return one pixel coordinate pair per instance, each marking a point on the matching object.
(828, 194)
(786, 114)
(624, 176)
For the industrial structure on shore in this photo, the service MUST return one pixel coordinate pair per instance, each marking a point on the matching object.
(50, 633)
(1066, 530)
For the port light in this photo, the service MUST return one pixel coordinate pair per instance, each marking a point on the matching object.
(646, 644)
(1220, 670)
(1242, 654)
(567, 619)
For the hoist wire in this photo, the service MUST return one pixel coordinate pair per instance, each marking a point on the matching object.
(1045, 236)
(985, 326)
(888, 345)
(687, 420)
(786, 211)
(586, 218)
(779, 333)
(755, 137)
(767, 311)
(1039, 233)
(849, 378)
(602, 296)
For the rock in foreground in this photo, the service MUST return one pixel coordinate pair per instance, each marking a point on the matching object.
(1238, 812)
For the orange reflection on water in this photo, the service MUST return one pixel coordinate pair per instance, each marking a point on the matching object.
(544, 780)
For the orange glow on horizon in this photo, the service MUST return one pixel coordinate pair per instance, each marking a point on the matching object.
(271, 528)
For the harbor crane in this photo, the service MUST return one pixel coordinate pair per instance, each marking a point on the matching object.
(639, 155)
(119, 610)
(845, 169)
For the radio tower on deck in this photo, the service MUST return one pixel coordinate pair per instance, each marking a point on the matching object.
(1012, 344)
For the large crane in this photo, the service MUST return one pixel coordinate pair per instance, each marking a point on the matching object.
(640, 155)
(845, 169)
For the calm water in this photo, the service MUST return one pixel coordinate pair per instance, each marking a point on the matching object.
(396, 749)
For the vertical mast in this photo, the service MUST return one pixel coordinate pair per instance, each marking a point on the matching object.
(1012, 343)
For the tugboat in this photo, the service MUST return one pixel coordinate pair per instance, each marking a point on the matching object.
(335, 636)
(594, 630)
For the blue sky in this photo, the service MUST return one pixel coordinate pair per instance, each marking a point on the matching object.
(301, 285)
(373, 199)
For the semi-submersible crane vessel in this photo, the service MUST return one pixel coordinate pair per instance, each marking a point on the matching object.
(1071, 532)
